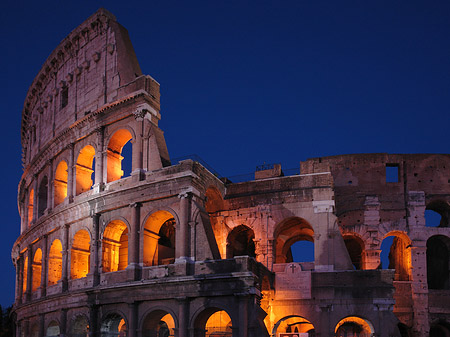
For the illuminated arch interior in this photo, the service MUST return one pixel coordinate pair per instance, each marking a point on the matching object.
(158, 323)
(113, 325)
(159, 239)
(398, 253)
(55, 262)
(80, 255)
(288, 233)
(214, 200)
(240, 242)
(84, 169)
(114, 154)
(294, 324)
(218, 324)
(37, 269)
(79, 327)
(60, 182)
(42, 196)
(437, 214)
(25, 274)
(30, 207)
(115, 246)
(354, 326)
(355, 248)
(53, 329)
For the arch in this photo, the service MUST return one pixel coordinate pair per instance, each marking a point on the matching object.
(214, 200)
(240, 242)
(355, 248)
(79, 327)
(288, 232)
(42, 196)
(159, 239)
(53, 329)
(440, 328)
(30, 207)
(438, 247)
(354, 326)
(36, 270)
(113, 325)
(398, 254)
(115, 246)
(440, 207)
(114, 154)
(55, 262)
(60, 182)
(292, 324)
(84, 169)
(211, 322)
(80, 254)
(25, 274)
(158, 323)
(34, 331)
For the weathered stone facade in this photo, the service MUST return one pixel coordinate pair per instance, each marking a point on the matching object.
(174, 250)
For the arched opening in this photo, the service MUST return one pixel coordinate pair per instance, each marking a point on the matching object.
(403, 330)
(34, 331)
(30, 207)
(55, 262)
(60, 182)
(440, 329)
(437, 214)
(213, 322)
(114, 154)
(79, 327)
(36, 270)
(42, 196)
(438, 262)
(159, 239)
(25, 274)
(80, 254)
(158, 324)
(354, 326)
(396, 254)
(240, 242)
(115, 246)
(355, 248)
(84, 169)
(113, 325)
(293, 324)
(214, 200)
(53, 329)
(289, 232)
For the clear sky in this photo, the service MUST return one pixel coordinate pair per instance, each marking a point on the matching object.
(248, 82)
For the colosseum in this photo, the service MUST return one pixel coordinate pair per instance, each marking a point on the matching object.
(172, 249)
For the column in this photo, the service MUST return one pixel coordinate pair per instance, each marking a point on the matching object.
(63, 323)
(70, 173)
(99, 182)
(133, 243)
(243, 316)
(65, 258)
(182, 236)
(44, 266)
(35, 198)
(183, 316)
(42, 325)
(19, 279)
(137, 155)
(133, 319)
(50, 187)
(95, 261)
(29, 273)
(93, 320)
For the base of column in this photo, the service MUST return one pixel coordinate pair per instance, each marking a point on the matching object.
(134, 272)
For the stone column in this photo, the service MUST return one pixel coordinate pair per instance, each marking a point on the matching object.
(419, 287)
(19, 279)
(243, 315)
(183, 318)
(65, 257)
(44, 267)
(93, 321)
(324, 329)
(99, 182)
(133, 243)
(42, 325)
(133, 319)
(182, 235)
(50, 187)
(95, 262)
(29, 273)
(71, 173)
(63, 323)
(35, 198)
(137, 156)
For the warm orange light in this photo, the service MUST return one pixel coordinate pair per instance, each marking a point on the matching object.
(84, 169)
(353, 323)
(55, 262)
(114, 151)
(25, 274)
(218, 324)
(79, 255)
(115, 246)
(30, 207)
(159, 237)
(60, 182)
(37, 268)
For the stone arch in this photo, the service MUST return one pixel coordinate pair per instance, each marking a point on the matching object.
(36, 270)
(34, 330)
(288, 232)
(158, 238)
(79, 326)
(354, 326)
(60, 182)
(42, 196)
(114, 156)
(442, 208)
(214, 200)
(84, 169)
(80, 254)
(114, 324)
(30, 207)
(52, 329)
(211, 321)
(292, 324)
(159, 322)
(440, 328)
(356, 249)
(115, 246)
(55, 262)
(240, 242)
(400, 255)
(25, 274)
(438, 249)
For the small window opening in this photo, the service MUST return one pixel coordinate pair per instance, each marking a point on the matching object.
(392, 173)
(64, 97)
(301, 251)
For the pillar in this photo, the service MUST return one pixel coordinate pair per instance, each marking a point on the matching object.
(29, 273)
(183, 317)
(93, 320)
(35, 198)
(42, 325)
(182, 236)
(133, 319)
(133, 243)
(44, 266)
(137, 155)
(99, 182)
(70, 173)
(65, 257)
(243, 316)
(63, 323)
(50, 187)
(19, 279)
(95, 261)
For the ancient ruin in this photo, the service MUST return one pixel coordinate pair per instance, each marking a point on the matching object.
(173, 250)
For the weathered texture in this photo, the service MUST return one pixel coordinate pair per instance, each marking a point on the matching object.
(173, 249)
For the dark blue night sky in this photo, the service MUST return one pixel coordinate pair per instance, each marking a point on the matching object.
(248, 82)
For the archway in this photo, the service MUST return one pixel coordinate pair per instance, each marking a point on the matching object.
(36, 270)
(289, 232)
(79, 327)
(55, 262)
(354, 326)
(25, 274)
(80, 255)
(60, 182)
(115, 246)
(437, 214)
(438, 262)
(293, 324)
(113, 325)
(30, 207)
(214, 200)
(158, 323)
(396, 254)
(84, 169)
(42, 196)
(440, 329)
(213, 322)
(240, 242)
(355, 248)
(53, 329)
(114, 154)
(159, 239)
